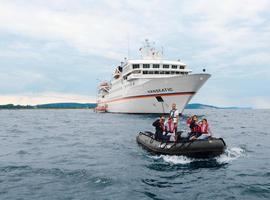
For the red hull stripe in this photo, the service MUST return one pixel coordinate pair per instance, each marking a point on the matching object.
(150, 95)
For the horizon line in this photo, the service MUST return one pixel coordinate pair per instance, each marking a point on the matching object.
(210, 105)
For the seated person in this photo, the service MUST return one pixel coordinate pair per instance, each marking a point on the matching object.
(205, 130)
(189, 120)
(194, 126)
(161, 131)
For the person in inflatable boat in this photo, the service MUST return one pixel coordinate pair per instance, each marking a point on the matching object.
(165, 131)
(171, 130)
(174, 115)
(161, 131)
(193, 124)
(204, 130)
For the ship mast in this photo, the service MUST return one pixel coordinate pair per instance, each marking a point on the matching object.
(148, 51)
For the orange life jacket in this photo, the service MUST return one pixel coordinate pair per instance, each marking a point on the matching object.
(171, 126)
(203, 128)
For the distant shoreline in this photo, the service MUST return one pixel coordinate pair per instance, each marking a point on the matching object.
(93, 105)
(50, 106)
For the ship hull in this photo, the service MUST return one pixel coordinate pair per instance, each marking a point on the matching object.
(154, 95)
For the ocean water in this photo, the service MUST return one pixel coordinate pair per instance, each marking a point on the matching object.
(78, 154)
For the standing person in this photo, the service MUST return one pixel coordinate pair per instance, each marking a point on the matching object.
(171, 135)
(174, 114)
(159, 124)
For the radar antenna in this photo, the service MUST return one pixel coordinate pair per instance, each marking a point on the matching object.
(148, 51)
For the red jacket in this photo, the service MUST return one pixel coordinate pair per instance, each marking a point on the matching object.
(189, 120)
(203, 128)
(170, 126)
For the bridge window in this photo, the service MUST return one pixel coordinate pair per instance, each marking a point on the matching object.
(146, 65)
(135, 66)
(155, 65)
(165, 66)
(182, 67)
(174, 66)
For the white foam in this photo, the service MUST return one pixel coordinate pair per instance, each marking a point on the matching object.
(98, 181)
(231, 154)
(173, 159)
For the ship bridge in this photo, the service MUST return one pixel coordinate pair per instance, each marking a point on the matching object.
(153, 68)
(152, 65)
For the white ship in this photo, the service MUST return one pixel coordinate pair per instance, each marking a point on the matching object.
(149, 85)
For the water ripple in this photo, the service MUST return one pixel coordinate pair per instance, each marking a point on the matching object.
(77, 154)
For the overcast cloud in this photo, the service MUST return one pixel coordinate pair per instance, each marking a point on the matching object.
(58, 50)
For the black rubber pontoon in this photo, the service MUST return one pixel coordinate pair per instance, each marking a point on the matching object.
(195, 148)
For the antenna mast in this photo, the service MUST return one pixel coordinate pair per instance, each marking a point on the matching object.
(128, 45)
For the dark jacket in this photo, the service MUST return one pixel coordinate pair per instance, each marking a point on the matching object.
(159, 131)
(193, 126)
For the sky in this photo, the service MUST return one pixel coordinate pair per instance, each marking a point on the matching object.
(59, 50)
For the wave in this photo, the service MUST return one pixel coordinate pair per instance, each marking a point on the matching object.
(173, 159)
(229, 155)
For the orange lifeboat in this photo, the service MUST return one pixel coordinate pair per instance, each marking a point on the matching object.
(101, 109)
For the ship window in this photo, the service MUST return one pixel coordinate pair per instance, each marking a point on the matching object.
(136, 72)
(172, 72)
(156, 72)
(167, 72)
(182, 67)
(165, 66)
(146, 65)
(135, 66)
(155, 65)
(151, 72)
(162, 72)
(174, 66)
(177, 72)
(145, 72)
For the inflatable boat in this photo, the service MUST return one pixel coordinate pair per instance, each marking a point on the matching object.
(192, 148)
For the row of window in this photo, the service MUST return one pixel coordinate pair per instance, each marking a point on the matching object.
(156, 66)
(163, 72)
(153, 72)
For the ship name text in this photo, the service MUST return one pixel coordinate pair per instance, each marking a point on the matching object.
(160, 90)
